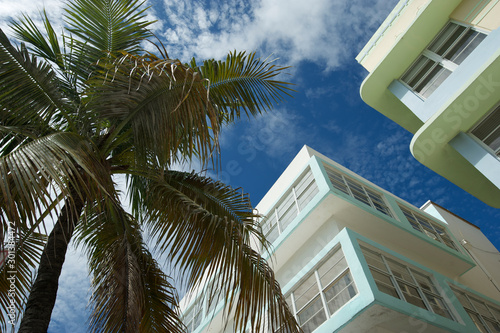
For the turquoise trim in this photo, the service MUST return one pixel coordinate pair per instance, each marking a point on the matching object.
(355, 305)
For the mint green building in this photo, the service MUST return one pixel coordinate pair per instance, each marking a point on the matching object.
(434, 69)
(352, 257)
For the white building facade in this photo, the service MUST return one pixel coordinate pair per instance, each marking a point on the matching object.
(434, 68)
(352, 257)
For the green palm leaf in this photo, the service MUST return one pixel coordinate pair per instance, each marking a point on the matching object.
(243, 83)
(164, 103)
(104, 27)
(130, 292)
(207, 228)
(30, 92)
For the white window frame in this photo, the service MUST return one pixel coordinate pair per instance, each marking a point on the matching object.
(290, 191)
(439, 60)
(322, 288)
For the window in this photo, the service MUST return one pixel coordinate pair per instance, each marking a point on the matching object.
(322, 292)
(192, 319)
(485, 315)
(359, 192)
(488, 130)
(291, 204)
(428, 227)
(443, 55)
(405, 282)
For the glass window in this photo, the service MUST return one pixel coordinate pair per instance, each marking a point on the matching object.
(448, 50)
(484, 314)
(428, 227)
(323, 291)
(359, 192)
(488, 130)
(291, 204)
(405, 282)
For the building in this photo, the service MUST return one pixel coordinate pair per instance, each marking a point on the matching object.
(352, 257)
(434, 69)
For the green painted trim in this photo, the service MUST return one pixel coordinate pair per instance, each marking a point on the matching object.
(383, 29)
(409, 45)
(430, 144)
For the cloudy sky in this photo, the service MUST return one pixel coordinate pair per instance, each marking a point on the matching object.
(320, 39)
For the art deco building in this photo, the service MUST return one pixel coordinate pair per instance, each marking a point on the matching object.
(434, 69)
(352, 257)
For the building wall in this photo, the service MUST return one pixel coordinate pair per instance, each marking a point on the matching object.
(485, 276)
(483, 14)
(333, 220)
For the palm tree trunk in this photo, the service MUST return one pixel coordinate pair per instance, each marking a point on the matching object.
(43, 293)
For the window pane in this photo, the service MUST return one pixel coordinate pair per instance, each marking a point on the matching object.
(438, 305)
(384, 283)
(332, 268)
(477, 321)
(411, 295)
(311, 316)
(447, 38)
(306, 292)
(339, 293)
(433, 80)
(399, 271)
(417, 71)
(465, 47)
(374, 260)
(493, 326)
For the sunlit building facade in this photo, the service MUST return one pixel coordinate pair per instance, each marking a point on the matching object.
(434, 69)
(352, 257)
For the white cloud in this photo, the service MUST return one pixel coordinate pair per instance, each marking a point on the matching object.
(323, 31)
(14, 9)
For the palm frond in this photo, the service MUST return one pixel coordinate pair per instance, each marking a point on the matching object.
(164, 103)
(243, 83)
(209, 240)
(130, 292)
(30, 89)
(35, 172)
(16, 274)
(42, 45)
(103, 27)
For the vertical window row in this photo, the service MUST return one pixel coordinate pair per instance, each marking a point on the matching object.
(324, 291)
(429, 228)
(405, 282)
(291, 204)
(485, 315)
(443, 55)
(359, 192)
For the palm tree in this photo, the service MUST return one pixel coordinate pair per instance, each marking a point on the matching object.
(78, 109)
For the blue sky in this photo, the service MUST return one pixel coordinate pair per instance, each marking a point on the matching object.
(320, 39)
